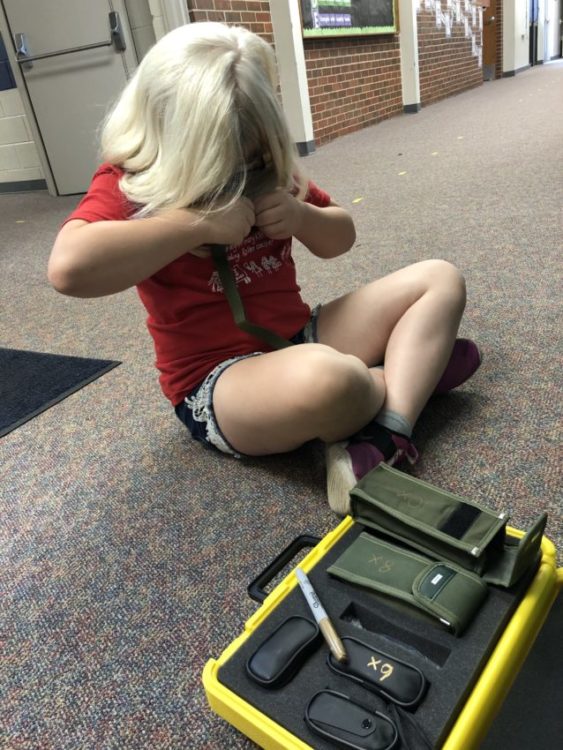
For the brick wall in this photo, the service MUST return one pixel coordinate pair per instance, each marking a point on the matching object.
(448, 51)
(356, 82)
(498, 32)
(352, 83)
(254, 14)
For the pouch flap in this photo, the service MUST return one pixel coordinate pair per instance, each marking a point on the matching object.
(386, 675)
(349, 724)
(453, 594)
(508, 565)
(435, 521)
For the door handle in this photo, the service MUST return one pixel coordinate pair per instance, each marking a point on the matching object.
(490, 21)
(117, 40)
(116, 32)
(22, 53)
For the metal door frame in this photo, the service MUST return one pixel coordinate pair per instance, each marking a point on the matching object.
(175, 13)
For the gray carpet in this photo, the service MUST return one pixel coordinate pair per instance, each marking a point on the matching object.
(125, 549)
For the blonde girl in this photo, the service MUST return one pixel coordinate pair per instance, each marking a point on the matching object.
(196, 153)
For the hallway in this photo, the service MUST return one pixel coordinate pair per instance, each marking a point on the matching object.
(126, 549)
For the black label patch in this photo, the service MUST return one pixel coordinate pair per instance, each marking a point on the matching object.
(434, 582)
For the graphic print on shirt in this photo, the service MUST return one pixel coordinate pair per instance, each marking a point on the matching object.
(246, 270)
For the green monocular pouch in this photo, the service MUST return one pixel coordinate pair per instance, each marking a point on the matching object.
(444, 525)
(441, 589)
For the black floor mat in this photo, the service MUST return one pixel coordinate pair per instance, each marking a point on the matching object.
(31, 382)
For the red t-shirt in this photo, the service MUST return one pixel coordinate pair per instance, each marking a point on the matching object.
(189, 317)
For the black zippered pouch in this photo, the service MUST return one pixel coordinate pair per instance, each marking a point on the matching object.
(344, 722)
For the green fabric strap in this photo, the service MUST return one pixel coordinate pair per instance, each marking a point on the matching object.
(441, 589)
(219, 255)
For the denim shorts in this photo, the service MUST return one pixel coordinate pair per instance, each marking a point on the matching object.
(196, 410)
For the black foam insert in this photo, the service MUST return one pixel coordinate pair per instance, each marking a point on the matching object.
(451, 664)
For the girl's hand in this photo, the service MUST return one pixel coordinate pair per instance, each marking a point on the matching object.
(230, 226)
(278, 214)
(203, 251)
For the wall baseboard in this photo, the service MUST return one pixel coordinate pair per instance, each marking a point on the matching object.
(22, 186)
(509, 73)
(305, 147)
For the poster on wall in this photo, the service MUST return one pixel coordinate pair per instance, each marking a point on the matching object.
(326, 18)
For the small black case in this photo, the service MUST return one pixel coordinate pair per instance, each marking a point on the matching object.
(348, 724)
(385, 675)
(281, 655)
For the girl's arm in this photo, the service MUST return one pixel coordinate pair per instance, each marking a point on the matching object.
(105, 257)
(326, 232)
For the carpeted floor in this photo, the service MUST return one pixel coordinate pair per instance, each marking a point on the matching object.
(125, 549)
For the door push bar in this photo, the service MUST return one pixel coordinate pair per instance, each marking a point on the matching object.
(116, 39)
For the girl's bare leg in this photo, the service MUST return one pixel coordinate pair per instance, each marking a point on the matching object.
(409, 319)
(275, 402)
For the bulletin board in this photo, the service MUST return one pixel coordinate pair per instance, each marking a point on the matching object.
(335, 18)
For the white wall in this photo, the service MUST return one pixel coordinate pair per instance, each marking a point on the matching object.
(553, 29)
(515, 39)
(140, 21)
(541, 53)
(19, 161)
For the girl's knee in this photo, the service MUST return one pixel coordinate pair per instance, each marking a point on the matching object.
(326, 376)
(447, 278)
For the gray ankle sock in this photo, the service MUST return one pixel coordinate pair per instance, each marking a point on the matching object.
(394, 422)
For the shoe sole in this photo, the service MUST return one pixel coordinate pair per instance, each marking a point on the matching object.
(340, 478)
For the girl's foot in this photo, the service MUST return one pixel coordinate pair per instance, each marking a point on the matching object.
(347, 462)
(464, 362)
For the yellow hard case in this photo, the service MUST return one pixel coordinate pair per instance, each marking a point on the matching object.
(485, 700)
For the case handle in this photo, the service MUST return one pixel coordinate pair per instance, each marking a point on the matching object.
(256, 588)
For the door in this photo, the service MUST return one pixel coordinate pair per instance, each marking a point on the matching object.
(74, 60)
(490, 41)
(534, 15)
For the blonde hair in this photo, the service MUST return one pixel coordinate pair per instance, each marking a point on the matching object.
(202, 103)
